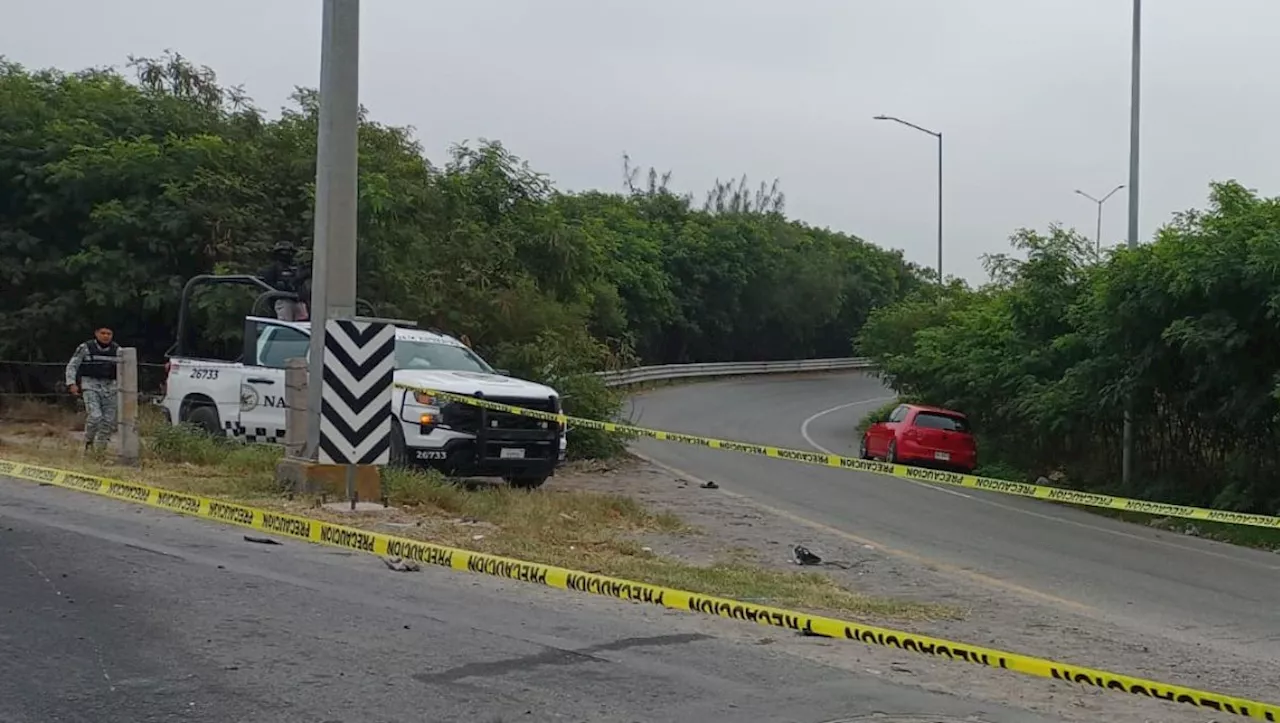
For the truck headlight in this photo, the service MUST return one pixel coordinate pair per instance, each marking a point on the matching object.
(430, 409)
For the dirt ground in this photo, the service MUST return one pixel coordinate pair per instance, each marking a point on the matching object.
(996, 618)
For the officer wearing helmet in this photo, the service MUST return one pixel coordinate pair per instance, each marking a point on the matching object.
(286, 273)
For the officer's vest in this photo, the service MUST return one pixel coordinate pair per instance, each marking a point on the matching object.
(100, 364)
(288, 278)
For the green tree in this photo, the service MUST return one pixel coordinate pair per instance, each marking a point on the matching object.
(1045, 355)
(117, 190)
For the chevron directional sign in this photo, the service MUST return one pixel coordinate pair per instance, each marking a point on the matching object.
(355, 404)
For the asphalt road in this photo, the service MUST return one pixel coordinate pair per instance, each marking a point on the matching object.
(1180, 587)
(111, 613)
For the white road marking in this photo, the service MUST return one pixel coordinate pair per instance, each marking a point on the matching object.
(804, 432)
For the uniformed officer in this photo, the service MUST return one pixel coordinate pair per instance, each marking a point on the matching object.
(286, 273)
(91, 374)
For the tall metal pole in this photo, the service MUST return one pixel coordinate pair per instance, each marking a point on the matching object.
(1097, 236)
(333, 292)
(939, 208)
(1135, 97)
(937, 135)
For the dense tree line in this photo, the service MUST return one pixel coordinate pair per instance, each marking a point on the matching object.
(1044, 356)
(115, 190)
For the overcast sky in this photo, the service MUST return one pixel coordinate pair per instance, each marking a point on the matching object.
(1031, 95)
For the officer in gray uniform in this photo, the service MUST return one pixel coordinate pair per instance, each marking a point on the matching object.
(91, 374)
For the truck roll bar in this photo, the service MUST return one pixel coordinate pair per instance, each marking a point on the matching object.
(260, 304)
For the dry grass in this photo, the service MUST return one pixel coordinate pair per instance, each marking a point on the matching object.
(32, 417)
(576, 529)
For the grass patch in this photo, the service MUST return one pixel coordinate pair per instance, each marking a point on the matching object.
(40, 418)
(604, 533)
(176, 458)
(1263, 538)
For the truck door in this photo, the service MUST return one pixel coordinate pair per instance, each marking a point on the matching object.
(262, 407)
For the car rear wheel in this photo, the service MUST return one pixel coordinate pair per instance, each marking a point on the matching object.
(892, 456)
(205, 419)
(862, 448)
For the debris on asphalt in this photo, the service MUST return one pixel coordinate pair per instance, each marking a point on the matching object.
(261, 540)
(399, 564)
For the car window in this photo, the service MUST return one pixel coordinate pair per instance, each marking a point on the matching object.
(945, 422)
(278, 344)
(416, 354)
(898, 414)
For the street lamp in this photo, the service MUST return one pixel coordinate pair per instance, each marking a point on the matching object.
(939, 137)
(1097, 239)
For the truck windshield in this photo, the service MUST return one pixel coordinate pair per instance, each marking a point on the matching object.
(445, 357)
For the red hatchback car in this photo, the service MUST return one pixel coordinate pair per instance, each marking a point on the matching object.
(920, 435)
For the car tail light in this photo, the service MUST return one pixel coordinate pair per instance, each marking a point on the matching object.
(911, 433)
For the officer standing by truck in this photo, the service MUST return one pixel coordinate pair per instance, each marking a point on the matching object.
(91, 374)
(287, 273)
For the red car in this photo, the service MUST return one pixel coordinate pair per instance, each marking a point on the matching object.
(919, 435)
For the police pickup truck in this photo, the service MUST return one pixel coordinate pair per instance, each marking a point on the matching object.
(244, 400)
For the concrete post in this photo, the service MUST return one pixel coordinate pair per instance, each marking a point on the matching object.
(295, 400)
(127, 384)
(333, 265)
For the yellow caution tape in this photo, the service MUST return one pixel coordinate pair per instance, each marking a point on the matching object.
(901, 471)
(351, 538)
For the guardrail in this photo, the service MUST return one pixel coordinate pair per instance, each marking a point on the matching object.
(665, 372)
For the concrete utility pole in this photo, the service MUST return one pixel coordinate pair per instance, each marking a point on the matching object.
(127, 406)
(1135, 98)
(333, 292)
(938, 135)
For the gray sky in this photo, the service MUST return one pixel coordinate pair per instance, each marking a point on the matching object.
(1031, 95)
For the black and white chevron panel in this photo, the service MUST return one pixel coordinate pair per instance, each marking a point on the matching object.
(355, 406)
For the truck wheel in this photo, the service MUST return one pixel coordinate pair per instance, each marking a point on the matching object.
(526, 483)
(205, 419)
(399, 456)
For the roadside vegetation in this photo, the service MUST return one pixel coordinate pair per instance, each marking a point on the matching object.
(120, 186)
(606, 533)
(1043, 357)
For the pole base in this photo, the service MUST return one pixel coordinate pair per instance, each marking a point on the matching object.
(303, 476)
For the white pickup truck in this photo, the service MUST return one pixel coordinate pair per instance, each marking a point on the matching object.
(244, 399)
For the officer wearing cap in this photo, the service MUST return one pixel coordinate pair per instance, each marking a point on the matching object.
(91, 374)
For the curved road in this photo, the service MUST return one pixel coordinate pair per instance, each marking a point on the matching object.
(1185, 588)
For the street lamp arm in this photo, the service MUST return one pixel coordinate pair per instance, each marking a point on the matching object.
(1091, 198)
(1113, 192)
(941, 278)
(909, 124)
